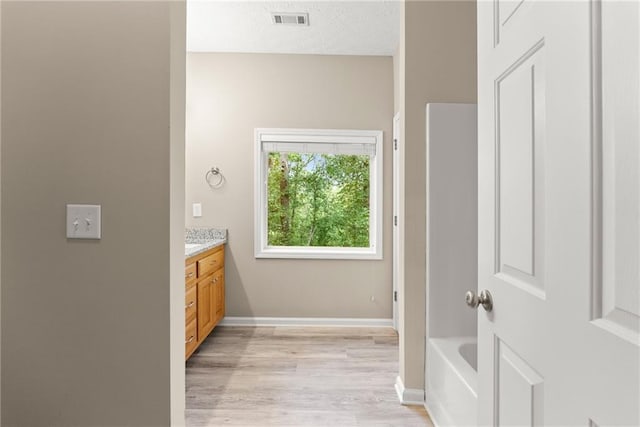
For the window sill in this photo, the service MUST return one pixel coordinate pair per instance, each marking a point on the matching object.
(292, 252)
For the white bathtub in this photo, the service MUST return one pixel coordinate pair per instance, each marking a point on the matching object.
(452, 381)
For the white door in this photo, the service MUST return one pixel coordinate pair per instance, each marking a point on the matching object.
(559, 213)
(398, 201)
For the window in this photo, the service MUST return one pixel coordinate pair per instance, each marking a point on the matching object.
(318, 194)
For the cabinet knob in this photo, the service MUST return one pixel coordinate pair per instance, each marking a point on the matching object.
(190, 340)
(191, 304)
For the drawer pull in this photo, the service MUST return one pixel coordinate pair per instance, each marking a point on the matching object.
(191, 304)
(190, 275)
(190, 340)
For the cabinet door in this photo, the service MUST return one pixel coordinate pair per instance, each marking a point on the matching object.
(219, 295)
(222, 294)
(206, 313)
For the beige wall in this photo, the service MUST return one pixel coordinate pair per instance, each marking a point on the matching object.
(438, 55)
(85, 119)
(177, 113)
(396, 81)
(228, 95)
(0, 212)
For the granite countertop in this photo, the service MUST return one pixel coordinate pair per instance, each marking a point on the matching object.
(199, 240)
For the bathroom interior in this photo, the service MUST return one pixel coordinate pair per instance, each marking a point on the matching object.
(231, 91)
(93, 114)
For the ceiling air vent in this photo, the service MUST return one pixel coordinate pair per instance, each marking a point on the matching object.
(290, 18)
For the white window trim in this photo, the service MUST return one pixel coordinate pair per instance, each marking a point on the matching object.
(262, 249)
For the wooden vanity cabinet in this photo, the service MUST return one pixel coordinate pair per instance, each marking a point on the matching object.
(204, 302)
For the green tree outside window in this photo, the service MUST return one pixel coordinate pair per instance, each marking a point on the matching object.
(318, 200)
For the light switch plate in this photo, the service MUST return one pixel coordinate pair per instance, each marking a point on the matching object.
(197, 210)
(83, 222)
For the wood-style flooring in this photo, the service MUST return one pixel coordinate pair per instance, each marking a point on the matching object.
(291, 376)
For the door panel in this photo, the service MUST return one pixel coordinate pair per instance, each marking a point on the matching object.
(519, 172)
(506, 9)
(516, 143)
(509, 16)
(520, 390)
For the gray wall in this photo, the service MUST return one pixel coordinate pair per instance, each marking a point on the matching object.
(452, 219)
(85, 119)
(228, 95)
(437, 63)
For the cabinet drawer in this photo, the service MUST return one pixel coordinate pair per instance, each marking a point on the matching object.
(190, 273)
(210, 263)
(190, 304)
(190, 338)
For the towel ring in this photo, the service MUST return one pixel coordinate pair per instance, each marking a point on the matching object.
(218, 178)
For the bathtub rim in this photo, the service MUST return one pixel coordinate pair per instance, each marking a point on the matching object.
(463, 370)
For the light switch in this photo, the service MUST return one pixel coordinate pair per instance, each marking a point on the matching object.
(83, 222)
(197, 210)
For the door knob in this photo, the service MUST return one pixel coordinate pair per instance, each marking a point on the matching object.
(483, 299)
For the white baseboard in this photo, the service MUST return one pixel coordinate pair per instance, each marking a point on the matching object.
(307, 321)
(409, 396)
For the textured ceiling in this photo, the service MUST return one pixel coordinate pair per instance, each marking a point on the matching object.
(335, 27)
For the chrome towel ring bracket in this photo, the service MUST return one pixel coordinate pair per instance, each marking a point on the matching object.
(214, 177)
